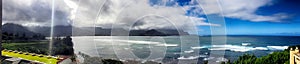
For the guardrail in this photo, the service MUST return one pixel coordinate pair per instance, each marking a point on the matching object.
(39, 58)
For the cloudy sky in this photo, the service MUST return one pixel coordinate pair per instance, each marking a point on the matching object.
(240, 17)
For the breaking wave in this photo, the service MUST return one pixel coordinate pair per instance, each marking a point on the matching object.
(239, 48)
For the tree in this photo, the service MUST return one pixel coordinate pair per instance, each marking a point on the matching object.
(16, 36)
(23, 37)
(63, 46)
(228, 62)
(5, 36)
(68, 41)
(205, 62)
(280, 57)
(10, 36)
(223, 62)
(35, 36)
(246, 59)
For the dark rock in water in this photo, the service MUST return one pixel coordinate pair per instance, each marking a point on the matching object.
(111, 61)
(98, 60)
(92, 60)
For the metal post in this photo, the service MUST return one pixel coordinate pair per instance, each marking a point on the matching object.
(1, 32)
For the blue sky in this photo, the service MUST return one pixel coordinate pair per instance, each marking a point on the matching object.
(237, 25)
(289, 26)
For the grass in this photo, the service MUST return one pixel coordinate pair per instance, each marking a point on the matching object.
(34, 47)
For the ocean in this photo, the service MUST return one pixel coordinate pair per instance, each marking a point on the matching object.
(181, 49)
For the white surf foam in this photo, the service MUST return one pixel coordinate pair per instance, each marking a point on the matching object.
(246, 44)
(277, 47)
(129, 42)
(239, 48)
(203, 55)
(189, 51)
(198, 47)
(188, 58)
(209, 58)
(221, 59)
(167, 45)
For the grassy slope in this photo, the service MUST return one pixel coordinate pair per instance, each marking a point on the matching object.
(34, 47)
(280, 57)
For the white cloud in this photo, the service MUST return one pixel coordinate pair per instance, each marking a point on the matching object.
(73, 6)
(199, 21)
(34, 11)
(241, 9)
(126, 13)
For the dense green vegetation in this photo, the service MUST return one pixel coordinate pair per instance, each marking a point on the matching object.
(274, 58)
(280, 57)
(35, 43)
(61, 46)
(34, 47)
(16, 37)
